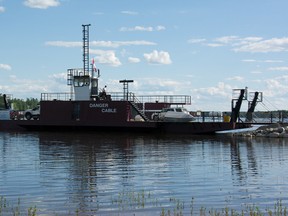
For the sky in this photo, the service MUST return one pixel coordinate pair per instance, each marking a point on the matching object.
(206, 49)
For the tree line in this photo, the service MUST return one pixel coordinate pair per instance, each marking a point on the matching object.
(19, 104)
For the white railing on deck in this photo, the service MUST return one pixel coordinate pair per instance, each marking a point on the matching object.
(118, 96)
(171, 99)
(57, 96)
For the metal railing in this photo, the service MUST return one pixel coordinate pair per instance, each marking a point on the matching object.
(57, 96)
(118, 96)
(171, 99)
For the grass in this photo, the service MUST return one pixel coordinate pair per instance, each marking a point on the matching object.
(132, 201)
(248, 210)
(7, 208)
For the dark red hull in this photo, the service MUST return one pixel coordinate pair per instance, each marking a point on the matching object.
(145, 127)
(107, 116)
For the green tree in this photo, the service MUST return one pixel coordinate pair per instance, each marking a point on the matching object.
(20, 104)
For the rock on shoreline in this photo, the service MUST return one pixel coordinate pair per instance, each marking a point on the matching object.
(277, 130)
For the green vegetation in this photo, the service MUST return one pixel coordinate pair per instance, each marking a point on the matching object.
(29, 103)
(129, 201)
(8, 209)
(19, 104)
(133, 201)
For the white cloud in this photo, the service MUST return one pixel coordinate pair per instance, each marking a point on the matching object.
(116, 44)
(142, 28)
(136, 28)
(160, 28)
(249, 44)
(276, 86)
(106, 57)
(236, 78)
(278, 69)
(129, 12)
(214, 44)
(252, 39)
(5, 67)
(236, 40)
(59, 76)
(256, 72)
(161, 82)
(211, 98)
(63, 44)
(21, 88)
(227, 39)
(264, 46)
(221, 89)
(265, 61)
(158, 57)
(41, 4)
(133, 60)
(2, 9)
(272, 61)
(158, 86)
(249, 60)
(196, 40)
(111, 44)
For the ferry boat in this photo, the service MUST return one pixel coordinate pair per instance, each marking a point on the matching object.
(60, 112)
(114, 112)
(87, 107)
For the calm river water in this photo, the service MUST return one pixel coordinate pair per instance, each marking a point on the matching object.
(139, 174)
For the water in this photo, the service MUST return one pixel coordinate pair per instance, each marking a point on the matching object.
(124, 174)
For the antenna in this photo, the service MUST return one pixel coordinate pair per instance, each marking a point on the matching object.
(86, 48)
(125, 88)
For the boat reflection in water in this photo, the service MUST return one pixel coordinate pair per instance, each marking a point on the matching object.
(93, 172)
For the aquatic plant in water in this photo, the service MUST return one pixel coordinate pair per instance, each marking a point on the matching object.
(7, 208)
(131, 201)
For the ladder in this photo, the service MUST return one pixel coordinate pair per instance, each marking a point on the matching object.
(140, 112)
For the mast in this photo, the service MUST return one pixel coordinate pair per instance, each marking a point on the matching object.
(83, 82)
(86, 48)
(79, 78)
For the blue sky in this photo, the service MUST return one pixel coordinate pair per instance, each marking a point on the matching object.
(201, 48)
